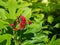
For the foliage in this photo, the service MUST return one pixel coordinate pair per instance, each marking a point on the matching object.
(29, 22)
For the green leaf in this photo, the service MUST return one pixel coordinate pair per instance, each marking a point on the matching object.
(40, 38)
(34, 10)
(34, 28)
(40, 44)
(3, 24)
(22, 8)
(12, 6)
(52, 40)
(6, 37)
(2, 14)
(27, 12)
(34, 0)
(57, 25)
(24, 4)
(47, 32)
(19, 12)
(20, 0)
(27, 42)
(50, 19)
(56, 42)
(41, 16)
(3, 4)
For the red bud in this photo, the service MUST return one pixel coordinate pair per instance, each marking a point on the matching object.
(30, 22)
(12, 25)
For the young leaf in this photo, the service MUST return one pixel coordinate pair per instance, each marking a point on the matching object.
(56, 42)
(50, 19)
(57, 25)
(52, 40)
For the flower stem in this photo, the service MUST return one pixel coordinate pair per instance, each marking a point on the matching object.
(16, 42)
(20, 37)
(15, 39)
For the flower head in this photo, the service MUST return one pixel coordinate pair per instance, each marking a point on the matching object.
(22, 25)
(22, 18)
(23, 22)
(12, 25)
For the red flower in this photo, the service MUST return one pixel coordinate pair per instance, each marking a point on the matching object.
(23, 18)
(12, 25)
(22, 25)
(30, 22)
(23, 22)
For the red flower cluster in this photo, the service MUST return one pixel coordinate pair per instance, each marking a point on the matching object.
(22, 22)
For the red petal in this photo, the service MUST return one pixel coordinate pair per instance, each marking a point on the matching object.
(23, 18)
(22, 25)
(12, 25)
